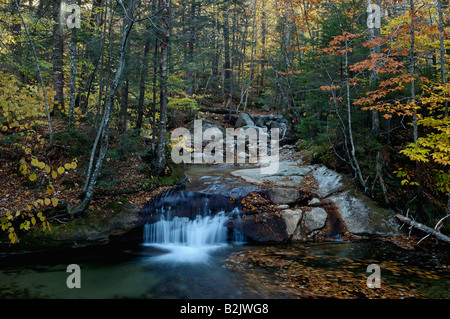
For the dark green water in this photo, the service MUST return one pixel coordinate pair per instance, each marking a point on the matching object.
(133, 271)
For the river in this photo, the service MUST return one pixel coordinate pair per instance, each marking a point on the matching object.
(192, 263)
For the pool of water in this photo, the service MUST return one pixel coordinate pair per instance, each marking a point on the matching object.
(135, 271)
(190, 261)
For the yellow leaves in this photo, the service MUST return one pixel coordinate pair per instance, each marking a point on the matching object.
(61, 170)
(54, 175)
(54, 202)
(32, 177)
(50, 189)
(13, 238)
(47, 201)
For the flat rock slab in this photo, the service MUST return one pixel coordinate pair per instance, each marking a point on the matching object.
(287, 175)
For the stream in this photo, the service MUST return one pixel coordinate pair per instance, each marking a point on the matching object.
(183, 254)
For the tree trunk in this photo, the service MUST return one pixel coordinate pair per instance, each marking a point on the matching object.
(442, 52)
(226, 62)
(190, 54)
(57, 57)
(144, 71)
(38, 68)
(412, 70)
(161, 161)
(423, 228)
(73, 72)
(374, 78)
(103, 131)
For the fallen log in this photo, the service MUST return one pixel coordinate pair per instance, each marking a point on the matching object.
(423, 228)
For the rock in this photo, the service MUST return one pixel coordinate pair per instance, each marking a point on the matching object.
(262, 227)
(279, 195)
(281, 127)
(314, 202)
(291, 218)
(94, 231)
(282, 207)
(361, 216)
(244, 120)
(259, 121)
(315, 218)
(329, 182)
(287, 175)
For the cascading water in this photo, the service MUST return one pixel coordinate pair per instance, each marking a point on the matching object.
(190, 239)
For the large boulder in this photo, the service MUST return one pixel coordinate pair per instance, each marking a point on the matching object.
(261, 227)
(329, 182)
(244, 120)
(361, 216)
(315, 218)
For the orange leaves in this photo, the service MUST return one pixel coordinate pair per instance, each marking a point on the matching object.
(290, 72)
(330, 87)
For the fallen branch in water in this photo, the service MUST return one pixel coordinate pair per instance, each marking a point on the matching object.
(423, 228)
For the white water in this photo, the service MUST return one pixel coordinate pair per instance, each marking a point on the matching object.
(188, 241)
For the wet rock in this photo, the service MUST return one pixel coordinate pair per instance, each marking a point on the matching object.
(315, 219)
(291, 218)
(287, 175)
(263, 228)
(282, 207)
(361, 216)
(279, 195)
(314, 202)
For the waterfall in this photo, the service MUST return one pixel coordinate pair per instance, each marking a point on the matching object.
(200, 232)
(189, 240)
(188, 226)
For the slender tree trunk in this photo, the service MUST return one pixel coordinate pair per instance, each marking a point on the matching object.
(226, 62)
(73, 72)
(374, 78)
(142, 86)
(161, 161)
(233, 49)
(354, 159)
(38, 68)
(263, 43)
(191, 43)
(412, 70)
(442, 54)
(103, 131)
(57, 57)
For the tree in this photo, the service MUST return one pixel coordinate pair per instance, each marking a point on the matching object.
(160, 163)
(103, 131)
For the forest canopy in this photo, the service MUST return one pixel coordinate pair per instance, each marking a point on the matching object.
(88, 85)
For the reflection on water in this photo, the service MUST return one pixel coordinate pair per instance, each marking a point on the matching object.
(167, 266)
(138, 272)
